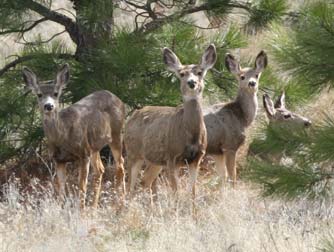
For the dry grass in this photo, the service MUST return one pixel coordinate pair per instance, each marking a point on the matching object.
(232, 220)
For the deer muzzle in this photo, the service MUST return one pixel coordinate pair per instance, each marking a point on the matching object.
(191, 84)
(48, 107)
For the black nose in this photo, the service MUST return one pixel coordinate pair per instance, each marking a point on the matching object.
(252, 83)
(48, 107)
(307, 123)
(191, 83)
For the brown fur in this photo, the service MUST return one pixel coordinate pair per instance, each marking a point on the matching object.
(170, 136)
(226, 123)
(77, 133)
(278, 113)
(279, 116)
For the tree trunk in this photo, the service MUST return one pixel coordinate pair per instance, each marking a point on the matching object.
(94, 26)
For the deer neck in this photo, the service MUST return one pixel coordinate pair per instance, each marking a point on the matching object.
(247, 102)
(193, 116)
(53, 127)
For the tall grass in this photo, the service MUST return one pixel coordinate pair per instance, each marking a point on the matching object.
(228, 220)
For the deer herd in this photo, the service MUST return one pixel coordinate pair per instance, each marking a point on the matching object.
(155, 137)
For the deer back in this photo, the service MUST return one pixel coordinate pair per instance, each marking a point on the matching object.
(85, 126)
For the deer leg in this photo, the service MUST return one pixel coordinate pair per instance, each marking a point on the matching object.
(149, 180)
(83, 178)
(193, 173)
(98, 170)
(61, 180)
(116, 149)
(173, 175)
(134, 171)
(221, 167)
(230, 165)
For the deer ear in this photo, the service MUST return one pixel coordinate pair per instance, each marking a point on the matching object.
(209, 57)
(268, 105)
(30, 79)
(232, 64)
(280, 103)
(171, 60)
(261, 61)
(62, 78)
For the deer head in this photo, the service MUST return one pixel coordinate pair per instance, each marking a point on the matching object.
(248, 77)
(278, 113)
(47, 93)
(191, 76)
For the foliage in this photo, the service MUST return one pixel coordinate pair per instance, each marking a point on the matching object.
(219, 7)
(273, 83)
(307, 56)
(265, 12)
(309, 171)
(293, 162)
(292, 181)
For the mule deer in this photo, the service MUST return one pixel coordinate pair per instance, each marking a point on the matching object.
(77, 133)
(277, 113)
(279, 116)
(226, 123)
(171, 136)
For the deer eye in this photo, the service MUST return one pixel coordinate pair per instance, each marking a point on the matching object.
(55, 94)
(256, 76)
(287, 116)
(182, 74)
(200, 73)
(242, 77)
(39, 95)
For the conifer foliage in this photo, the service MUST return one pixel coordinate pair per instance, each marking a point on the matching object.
(304, 50)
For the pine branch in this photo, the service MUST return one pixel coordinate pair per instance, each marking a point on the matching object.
(142, 7)
(291, 182)
(23, 30)
(159, 22)
(239, 6)
(70, 26)
(43, 41)
(22, 59)
(14, 63)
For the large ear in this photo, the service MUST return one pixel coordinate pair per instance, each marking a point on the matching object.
(280, 103)
(261, 61)
(232, 64)
(268, 105)
(62, 78)
(30, 79)
(209, 57)
(171, 60)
